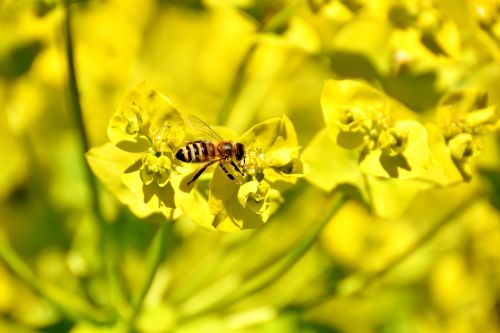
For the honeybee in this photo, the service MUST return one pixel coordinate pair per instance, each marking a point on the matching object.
(218, 151)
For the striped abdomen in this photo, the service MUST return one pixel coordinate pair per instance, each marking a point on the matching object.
(197, 152)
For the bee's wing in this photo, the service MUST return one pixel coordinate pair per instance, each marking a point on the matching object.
(202, 127)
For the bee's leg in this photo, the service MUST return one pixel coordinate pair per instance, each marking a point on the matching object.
(229, 175)
(236, 167)
(201, 170)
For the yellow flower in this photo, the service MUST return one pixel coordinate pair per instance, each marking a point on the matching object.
(138, 166)
(360, 117)
(271, 165)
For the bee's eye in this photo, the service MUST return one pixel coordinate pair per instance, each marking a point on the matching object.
(240, 152)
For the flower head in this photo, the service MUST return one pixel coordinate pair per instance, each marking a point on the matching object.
(463, 117)
(360, 117)
(145, 131)
(271, 165)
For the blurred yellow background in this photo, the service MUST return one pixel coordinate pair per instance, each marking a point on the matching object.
(431, 264)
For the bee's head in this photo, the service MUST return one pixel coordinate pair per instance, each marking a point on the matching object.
(240, 152)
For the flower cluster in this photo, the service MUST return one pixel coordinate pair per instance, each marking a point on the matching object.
(271, 165)
(488, 17)
(385, 151)
(139, 166)
(360, 117)
(463, 118)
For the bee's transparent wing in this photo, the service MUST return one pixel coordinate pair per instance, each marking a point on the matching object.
(202, 127)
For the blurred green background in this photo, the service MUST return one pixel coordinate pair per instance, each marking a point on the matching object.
(433, 267)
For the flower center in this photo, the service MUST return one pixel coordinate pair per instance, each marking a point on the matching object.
(156, 169)
(255, 163)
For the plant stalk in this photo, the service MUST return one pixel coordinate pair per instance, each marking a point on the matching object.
(105, 241)
(422, 240)
(77, 309)
(275, 272)
(155, 256)
(273, 25)
(372, 279)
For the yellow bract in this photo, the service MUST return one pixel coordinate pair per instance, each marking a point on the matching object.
(331, 165)
(404, 131)
(360, 117)
(139, 165)
(146, 119)
(402, 152)
(373, 143)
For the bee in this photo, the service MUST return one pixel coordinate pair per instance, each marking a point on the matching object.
(209, 152)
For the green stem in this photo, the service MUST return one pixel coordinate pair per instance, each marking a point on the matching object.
(235, 86)
(105, 242)
(155, 256)
(368, 189)
(9, 325)
(422, 240)
(204, 272)
(368, 281)
(76, 108)
(273, 25)
(275, 272)
(304, 245)
(278, 21)
(76, 309)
